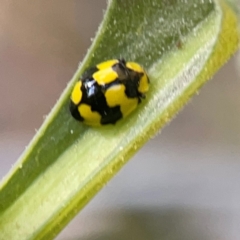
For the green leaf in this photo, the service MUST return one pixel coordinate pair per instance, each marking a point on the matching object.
(235, 4)
(181, 44)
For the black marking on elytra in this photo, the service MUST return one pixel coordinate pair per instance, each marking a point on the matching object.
(122, 61)
(112, 115)
(131, 87)
(74, 111)
(93, 95)
(90, 88)
(129, 78)
(121, 70)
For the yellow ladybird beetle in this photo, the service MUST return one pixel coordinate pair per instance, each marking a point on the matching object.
(108, 92)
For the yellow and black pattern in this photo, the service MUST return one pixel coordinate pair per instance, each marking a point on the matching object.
(108, 92)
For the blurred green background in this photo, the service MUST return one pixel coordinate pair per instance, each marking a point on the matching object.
(183, 184)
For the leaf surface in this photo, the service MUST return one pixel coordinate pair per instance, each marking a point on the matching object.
(181, 44)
